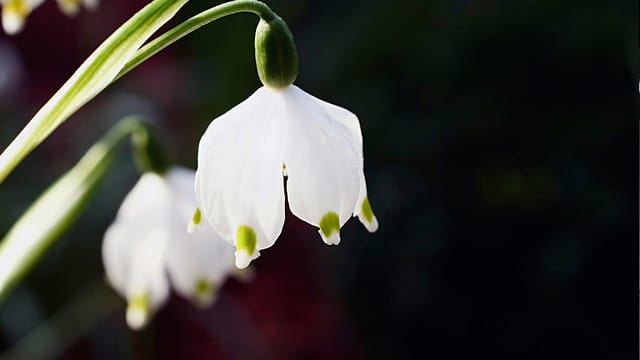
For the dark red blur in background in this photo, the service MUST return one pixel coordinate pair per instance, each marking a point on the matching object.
(500, 153)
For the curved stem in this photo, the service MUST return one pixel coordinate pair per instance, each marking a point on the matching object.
(161, 42)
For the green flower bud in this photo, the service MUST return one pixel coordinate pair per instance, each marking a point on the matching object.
(276, 55)
(148, 150)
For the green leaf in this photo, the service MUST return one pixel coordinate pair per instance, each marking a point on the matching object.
(95, 74)
(56, 209)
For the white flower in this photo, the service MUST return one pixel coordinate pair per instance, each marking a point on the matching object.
(71, 7)
(148, 239)
(15, 12)
(244, 154)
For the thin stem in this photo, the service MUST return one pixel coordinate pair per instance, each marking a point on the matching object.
(161, 42)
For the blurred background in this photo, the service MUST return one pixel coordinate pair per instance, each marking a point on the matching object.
(499, 139)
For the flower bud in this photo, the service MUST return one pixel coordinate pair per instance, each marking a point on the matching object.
(148, 150)
(276, 55)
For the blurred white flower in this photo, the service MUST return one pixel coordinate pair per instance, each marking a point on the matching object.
(15, 12)
(148, 239)
(71, 7)
(244, 154)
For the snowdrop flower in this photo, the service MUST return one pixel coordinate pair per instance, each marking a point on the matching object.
(15, 12)
(279, 131)
(148, 239)
(244, 154)
(71, 7)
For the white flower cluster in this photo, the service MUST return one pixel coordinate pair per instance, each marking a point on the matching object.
(148, 244)
(15, 12)
(279, 139)
(243, 159)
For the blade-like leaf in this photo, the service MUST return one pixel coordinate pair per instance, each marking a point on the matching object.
(95, 74)
(55, 210)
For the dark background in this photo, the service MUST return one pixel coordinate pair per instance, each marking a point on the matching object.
(500, 150)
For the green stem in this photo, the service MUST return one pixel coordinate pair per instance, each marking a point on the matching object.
(56, 209)
(116, 56)
(194, 23)
(95, 74)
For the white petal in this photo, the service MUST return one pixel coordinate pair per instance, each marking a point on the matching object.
(12, 22)
(332, 239)
(322, 159)
(199, 262)
(239, 179)
(15, 12)
(180, 181)
(134, 246)
(244, 258)
(351, 122)
(363, 209)
(69, 7)
(137, 317)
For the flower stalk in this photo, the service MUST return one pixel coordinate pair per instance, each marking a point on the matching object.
(123, 51)
(196, 22)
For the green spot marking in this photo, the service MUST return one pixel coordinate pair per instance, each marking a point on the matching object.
(367, 212)
(18, 7)
(246, 239)
(330, 223)
(197, 217)
(204, 288)
(140, 301)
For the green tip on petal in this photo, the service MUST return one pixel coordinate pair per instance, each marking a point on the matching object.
(138, 311)
(69, 7)
(330, 228)
(204, 292)
(246, 242)
(366, 210)
(14, 14)
(366, 216)
(196, 219)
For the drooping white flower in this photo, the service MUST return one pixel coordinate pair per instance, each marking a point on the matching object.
(244, 154)
(148, 239)
(71, 7)
(15, 12)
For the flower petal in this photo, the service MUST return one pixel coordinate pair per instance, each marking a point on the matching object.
(363, 208)
(322, 161)
(239, 180)
(133, 249)
(199, 262)
(15, 12)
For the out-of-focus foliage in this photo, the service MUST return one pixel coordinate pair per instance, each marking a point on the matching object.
(500, 148)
